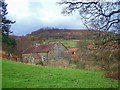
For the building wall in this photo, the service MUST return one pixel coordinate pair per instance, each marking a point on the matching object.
(25, 58)
(44, 58)
(58, 52)
(29, 58)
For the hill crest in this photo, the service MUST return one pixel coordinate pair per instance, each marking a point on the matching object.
(60, 34)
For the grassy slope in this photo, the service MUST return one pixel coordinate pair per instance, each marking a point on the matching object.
(17, 75)
(67, 43)
(0, 74)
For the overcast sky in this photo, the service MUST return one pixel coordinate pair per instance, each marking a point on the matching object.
(31, 15)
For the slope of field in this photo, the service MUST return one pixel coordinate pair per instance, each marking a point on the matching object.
(18, 75)
(0, 74)
(67, 43)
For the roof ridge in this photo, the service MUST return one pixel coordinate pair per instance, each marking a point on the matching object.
(39, 48)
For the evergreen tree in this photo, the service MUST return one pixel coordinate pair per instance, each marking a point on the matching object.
(7, 43)
(5, 23)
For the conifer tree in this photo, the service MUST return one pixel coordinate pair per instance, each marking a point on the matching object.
(8, 43)
(5, 23)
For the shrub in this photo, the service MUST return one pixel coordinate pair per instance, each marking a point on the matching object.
(113, 75)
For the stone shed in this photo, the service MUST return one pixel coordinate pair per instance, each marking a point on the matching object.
(46, 54)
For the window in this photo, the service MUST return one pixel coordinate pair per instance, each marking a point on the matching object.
(43, 58)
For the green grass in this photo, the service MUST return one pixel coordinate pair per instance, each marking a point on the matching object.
(67, 43)
(18, 75)
(0, 73)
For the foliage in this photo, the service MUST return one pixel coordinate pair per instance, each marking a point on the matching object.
(104, 58)
(18, 75)
(8, 43)
(83, 44)
(22, 43)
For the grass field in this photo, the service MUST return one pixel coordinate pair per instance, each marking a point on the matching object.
(67, 43)
(0, 73)
(18, 75)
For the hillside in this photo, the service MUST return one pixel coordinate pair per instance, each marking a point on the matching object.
(60, 33)
(18, 75)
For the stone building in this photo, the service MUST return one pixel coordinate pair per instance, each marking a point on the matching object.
(47, 54)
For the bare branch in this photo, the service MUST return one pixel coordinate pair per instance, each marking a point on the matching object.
(101, 14)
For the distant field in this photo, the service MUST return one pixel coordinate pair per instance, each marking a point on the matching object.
(18, 75)
(67, 43)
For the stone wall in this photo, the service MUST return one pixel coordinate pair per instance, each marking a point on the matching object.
(29, 58)
(58, 52)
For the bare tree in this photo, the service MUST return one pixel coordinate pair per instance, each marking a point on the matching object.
(98, 14)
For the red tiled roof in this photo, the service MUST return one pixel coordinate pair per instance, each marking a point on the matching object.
(38, 49)
(72, 49)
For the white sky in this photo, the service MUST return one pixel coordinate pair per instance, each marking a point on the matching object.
(31, 15)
